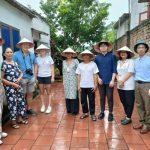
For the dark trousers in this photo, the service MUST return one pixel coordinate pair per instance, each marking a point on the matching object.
(87, 93)
(127, 98)
(106, 91)
(72, 105)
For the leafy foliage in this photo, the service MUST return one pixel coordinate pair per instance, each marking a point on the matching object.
(75, 22)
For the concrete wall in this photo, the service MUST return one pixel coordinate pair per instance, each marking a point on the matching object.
(16, 18)
(122, 29)
(40, 25)
(136, 9)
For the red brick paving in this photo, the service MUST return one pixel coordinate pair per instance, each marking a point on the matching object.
(60, 131)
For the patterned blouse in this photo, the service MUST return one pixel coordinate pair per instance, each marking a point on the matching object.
(12, 72)
(70, 79)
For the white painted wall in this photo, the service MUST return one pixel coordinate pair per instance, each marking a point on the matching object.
(122, 29)
(34, 4)
(16, 18)
(40, 25)
(136, 9)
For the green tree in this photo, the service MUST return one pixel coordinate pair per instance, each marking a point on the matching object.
(75, 22)
(110, 33)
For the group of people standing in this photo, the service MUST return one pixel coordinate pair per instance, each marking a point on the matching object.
(19, 73)
(81, 80)
(22, 69)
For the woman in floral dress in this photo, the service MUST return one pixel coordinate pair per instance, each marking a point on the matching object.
(70, 81)
(11, 76)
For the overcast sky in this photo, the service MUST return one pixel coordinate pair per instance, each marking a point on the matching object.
(115, 11)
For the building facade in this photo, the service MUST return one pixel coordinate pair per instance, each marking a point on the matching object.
(138, 25)
(20, 22)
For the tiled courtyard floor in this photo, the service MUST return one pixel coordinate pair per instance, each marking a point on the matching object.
(60, 131)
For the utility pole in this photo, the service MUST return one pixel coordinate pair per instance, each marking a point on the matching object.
(128, 32)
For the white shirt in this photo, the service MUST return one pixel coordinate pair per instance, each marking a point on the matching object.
(122, 70)
(87, 71)
(44, 66)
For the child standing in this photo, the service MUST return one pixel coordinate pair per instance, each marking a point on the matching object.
(87, 83)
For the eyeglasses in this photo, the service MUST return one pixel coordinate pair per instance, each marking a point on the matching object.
(141, 47)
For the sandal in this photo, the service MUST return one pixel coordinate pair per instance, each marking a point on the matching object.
(84, 116)
(15, 126)
(23, 122)
(93, 117)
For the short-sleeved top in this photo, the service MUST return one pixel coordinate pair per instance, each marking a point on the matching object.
(107, 65)
(44, 66)
(87, 72)
(122, 70)
(25, 62)
(142, 68)
(11, 71)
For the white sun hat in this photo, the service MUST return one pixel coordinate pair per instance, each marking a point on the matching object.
(80, 56)
(126, 49)
(24, 40)
(42, 47)
(68, 50)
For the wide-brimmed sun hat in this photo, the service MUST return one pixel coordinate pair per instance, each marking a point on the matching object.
(23, 41)
(42, 47)
(1, 41)
(126, 49)
(69, 50)
(97, 46)
(80, 56)
(141, 42)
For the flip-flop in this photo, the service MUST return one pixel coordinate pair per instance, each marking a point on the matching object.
(15, 126)
(23, 122)
(84, 116)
